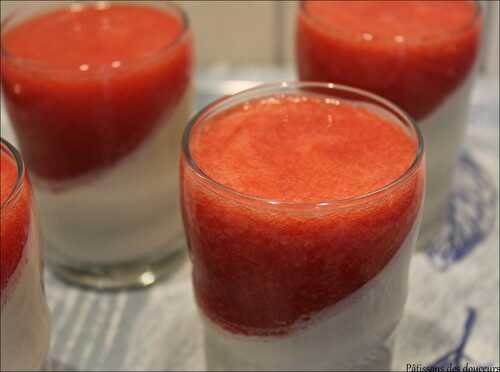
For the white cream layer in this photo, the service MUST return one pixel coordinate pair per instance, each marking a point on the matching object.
(444, 132)
(355, 333)
(24, 314)
(128, 213)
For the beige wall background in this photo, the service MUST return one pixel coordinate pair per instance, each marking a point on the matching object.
(262, 32)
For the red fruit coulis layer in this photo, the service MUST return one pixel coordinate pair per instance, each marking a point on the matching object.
(261, 269)
(414, 53)
(85, 85)
(15, 219)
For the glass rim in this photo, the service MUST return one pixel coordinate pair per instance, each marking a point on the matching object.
(43, 66)
(16, 156)
(276, 87)
(468, 26)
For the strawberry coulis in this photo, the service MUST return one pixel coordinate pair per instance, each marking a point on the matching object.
(15, 218)
(262, 269)
(84, 86)
(414, 53)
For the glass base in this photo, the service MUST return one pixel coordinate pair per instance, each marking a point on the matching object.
(121, 276)
(378, 358)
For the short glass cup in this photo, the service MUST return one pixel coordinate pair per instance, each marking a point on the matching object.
(431, 78)
(102, 141)
(253, 257)
(24, 314)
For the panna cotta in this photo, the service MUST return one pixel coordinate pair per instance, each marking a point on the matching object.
(417, 54)
(24, 315)
(301, 205)
(98, 109)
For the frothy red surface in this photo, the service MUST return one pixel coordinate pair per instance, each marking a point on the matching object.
(414, 53)
(93, 36)
(97, 82)
(260, 269)
(15, 219)
(302, 149)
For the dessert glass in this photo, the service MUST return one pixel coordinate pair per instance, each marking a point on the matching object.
(24, 315)
(101, 134)
(286, 285)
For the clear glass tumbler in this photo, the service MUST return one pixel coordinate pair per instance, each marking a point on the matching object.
(420, 55)
(24, 315)
(285, 282)
(98, 94)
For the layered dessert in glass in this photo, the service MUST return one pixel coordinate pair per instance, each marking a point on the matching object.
(24, 316)
(98, 95)
(418, 54)
(301, 206)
